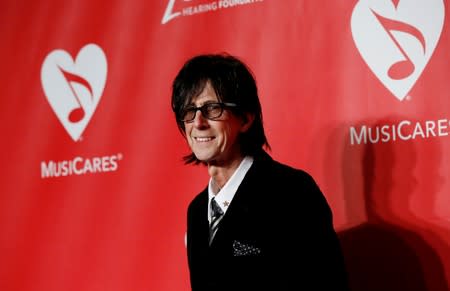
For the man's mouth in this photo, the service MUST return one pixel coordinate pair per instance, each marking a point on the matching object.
(203, 139)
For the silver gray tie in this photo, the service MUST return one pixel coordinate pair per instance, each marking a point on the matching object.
(216, 215)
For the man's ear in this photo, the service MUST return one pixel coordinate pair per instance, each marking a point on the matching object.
(247, 121)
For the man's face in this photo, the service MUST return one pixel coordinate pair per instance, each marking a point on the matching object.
(214, 141)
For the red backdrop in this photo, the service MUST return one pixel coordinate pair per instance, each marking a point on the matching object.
(93, 192)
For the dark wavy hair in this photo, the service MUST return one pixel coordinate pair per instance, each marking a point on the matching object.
(232, 82)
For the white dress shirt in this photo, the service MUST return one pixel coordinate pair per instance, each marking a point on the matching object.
(226, 194)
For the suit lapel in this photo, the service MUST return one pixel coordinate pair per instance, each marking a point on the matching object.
(199, 224)
(240, 207)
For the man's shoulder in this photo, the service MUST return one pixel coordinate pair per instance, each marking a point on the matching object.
(277, 169)
(272, 176)
(199, 199)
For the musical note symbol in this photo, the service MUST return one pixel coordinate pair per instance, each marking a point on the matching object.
(78, 113)
(395, 2)
(404, 68)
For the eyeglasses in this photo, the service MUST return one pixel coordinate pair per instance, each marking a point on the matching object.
(211, 111)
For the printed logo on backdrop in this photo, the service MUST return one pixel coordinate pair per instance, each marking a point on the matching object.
(177, 8)
(396, 38)
(73, 88)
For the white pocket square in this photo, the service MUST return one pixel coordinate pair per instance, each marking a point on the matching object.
(244, 249)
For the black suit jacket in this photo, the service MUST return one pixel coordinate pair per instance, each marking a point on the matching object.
(277, 234)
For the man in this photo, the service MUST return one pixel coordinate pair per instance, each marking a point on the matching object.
(259, 224)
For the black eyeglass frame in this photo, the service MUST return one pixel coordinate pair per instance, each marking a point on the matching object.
(204, 110)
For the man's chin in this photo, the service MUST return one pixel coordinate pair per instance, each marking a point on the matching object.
(203, 158)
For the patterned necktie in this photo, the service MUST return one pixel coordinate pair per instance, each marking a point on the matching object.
(216, 215)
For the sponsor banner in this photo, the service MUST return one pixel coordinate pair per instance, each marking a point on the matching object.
(93, 189)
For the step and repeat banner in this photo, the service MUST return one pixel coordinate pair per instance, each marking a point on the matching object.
(93, 190)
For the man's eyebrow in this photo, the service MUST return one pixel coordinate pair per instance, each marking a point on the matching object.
(210, 102)
(192, 104)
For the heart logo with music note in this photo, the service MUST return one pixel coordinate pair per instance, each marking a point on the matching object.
(397, 38)
(74, 87)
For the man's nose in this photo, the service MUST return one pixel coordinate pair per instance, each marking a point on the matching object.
(199, 120)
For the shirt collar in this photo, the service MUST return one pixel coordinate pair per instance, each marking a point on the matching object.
(226, 194)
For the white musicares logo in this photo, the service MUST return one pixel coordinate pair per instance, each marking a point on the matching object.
(397, 38)
(74, 87)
